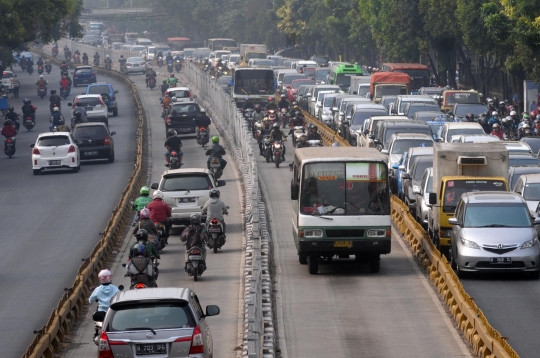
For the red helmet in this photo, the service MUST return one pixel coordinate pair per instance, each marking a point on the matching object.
(270, 99)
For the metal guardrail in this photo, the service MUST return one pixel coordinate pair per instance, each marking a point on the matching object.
(49, 338)
(485, 340)
(259, 335)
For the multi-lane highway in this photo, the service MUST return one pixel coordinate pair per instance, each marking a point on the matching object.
(51, 221)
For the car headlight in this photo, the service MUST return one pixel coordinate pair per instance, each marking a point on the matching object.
(530, 243)
(470, 244)
(313, 233)
(378, 233)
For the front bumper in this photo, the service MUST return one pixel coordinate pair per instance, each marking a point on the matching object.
(479, 260)
(369, 245)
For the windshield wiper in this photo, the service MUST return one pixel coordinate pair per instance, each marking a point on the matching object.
(495, 225)
(141, 329)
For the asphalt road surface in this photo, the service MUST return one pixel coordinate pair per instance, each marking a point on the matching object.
(221, 283)
(52, 221)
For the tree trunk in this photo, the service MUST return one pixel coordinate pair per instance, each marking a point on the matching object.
(467, 66)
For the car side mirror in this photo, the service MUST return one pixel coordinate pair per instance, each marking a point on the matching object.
(401, 167)
(154, 186)
(113, 133)
(346, 123)
(432, 200)
(454, 221)
(212, 310)
(384, 151)
(537, 220)
(295, 188)
(416, 190)
(31, 145)
(371, 136)
(405, 176)
(70, 104)
(376, 141)
(116, 91)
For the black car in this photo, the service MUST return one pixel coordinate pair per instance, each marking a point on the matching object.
(94, 141)
(182, 116)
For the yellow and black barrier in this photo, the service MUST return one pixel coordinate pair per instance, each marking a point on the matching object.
(49, 338)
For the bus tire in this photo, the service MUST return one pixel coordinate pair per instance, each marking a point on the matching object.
(302, 259)
(313, 264)
(374, 264)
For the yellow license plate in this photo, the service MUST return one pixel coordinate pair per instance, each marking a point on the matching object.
(343, 244)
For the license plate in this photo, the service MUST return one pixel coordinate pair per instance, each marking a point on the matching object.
(214, 165)
(501, 260)
(195, 257)
(214, 229)
(55, 162)
(343, 244)
(90, 153)
(88, 108)
(154, 348)
(184, 129)
(135, 65)
(185, 200)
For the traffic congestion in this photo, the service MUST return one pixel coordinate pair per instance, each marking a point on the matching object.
(334, 142)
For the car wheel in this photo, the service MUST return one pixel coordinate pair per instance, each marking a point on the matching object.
(302, 259)
(76, 169)
(115, 112)
(36, 171)
(375, 264)
(535, 275)
(111, 157)
(313, 264)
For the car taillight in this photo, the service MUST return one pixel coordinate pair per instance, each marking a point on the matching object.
(168, 120)
(101, 101)
(113, 97)
(128, 64)
(197, 346)
(71, 149)
(104, 346)
(36, 151)
(107, 141)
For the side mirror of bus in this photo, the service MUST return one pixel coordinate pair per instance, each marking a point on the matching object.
(432, 198)
(295, 188)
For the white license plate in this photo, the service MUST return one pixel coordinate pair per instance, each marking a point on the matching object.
(90, 153)
(185, 200)
(183, 130)
(501, 260)
(195, 258)
(213, 165)
(214, 230)
(55, 162)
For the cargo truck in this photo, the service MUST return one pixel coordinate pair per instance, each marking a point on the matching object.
(389, 84)
(460, 168)
(250, 51)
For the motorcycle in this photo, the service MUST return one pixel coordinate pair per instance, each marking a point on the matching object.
(41, 92)
(160, 227)
(207, 67)
(30, 69)
(215, 233)
(48, 68)
(76, 58)
(152, 83)
(248, 116)
(9, 147)
(28, 123)
(284, 118)
(98, 318)
(202, 138)
(215, 168)
(40, 70)
(277, 152)
(160, 62)
(174, 162)
(85, 61)
(195, 265)
(267, 148)
(67, 56)
(108, 65)
(177, 66)
(315, 143)
(64, 92)
(96, 61)
(170, 66)
(142, 280)
(55, 52)
(297, 132)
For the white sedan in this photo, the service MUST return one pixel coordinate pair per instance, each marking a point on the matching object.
(55, 150)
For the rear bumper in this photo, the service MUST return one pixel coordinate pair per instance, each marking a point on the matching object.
(372, 245)
(66, 162)
(97, 152)
(101, 118)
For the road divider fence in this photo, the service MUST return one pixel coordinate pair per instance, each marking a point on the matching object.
(48, 339)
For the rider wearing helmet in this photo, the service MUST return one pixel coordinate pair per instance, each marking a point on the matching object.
(55, 118)
(194, 235)
(144, 231)
(202, 120)
(173, 144)
(140, 268)
(216, 151)
(469, 117)
(96, 56)
(248, 104)
(150, 73)
(172, 80)
(103, 294)
(14, 117)
(502, 109)
(525, 131)
(283, 103)
(54, 100)
(164, 87)
(214, 208)
(277, 135)
(62, 127)
(258, 115)
(108, 60)
(493, 119)
(497, 131)
(143, 200)
(508, 127)
(41, 82)
(515, 118)
(271, 105)
(265, 131)
(314, 134)
(525, 120)
(160, 211)
(9, 131)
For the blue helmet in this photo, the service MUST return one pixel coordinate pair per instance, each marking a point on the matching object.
(247, 98)
(138, 250)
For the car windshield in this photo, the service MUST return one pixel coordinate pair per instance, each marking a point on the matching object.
(521, 161)
(297, 84)
(98, 89)
(224, 80)
(88, 102)
(430, 116)
(288, 79)
(454, 189)
(83, 70)
(328, 101)
(387, 100)
(399, 129)
(320, 60)
(532, 191)
(534, 143)
(53, 141)
(361, 116)
(94, 132)
(186, 182)
(363, 90)
(310, 72)
(404, 104)
(403, 145)
(496, 215)
(179, 94)
(413, 109)
(394, 90)
(142, 316)
(323, 189)
(184, 109)
(474, 109)
(421, 168)
(321, 74)
(461, 97)
(458, 131)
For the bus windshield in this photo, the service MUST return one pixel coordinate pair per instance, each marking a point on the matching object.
(254, 82)
(219, 44)
(461, 97)
(419, 78)
(343, 79)
(358, 188)
(390, 90)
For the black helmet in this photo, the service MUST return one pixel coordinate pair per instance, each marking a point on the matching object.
(61, 120)
(469, 117)
(195, 219)
(11, 109)
(214, 193)
(53, 91)
(78, 114)
(142, 234)
(314, 126)
(171, 132)
(8, 122)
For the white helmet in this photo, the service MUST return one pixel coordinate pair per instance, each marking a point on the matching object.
(513, 113)
(40, 76)
(107, 56)
(173, 99)
(56, 109)
(158, 194)
(105, 276)
(494, 113)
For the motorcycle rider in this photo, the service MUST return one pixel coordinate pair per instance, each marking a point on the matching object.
(265, 131)
(77, 53)
(66, 49)
(177, 57)
(215, 209)
(9, 131)
(277, 135)
(142, 201)
(140, 268)
(302, 142)
(202, 120)
(14, 117)
(314, 134)
(216, 151)
(122, 62)
(525, 131)
(491, 105)
(248, 104)
(62, 127)
(508, 127)
(294, 109)
(150, 73)
(173, 144)
(283, 103)
(169, 58)
(172, 80)
(55, 118)
(64, 67)
(78, 119)
(28, 110)
(258, 115)
(103, 294)
(297, 121)
(65, 83)
(271, 105)
(41, 83)
(54, 100)
(144, 227)
(497, 131)
(96, 57)
(469, 117)
(160, 211)
(515, 118)
(85, 58)
(39, 62)
(164, 87)
(525, 120)
(494, 119)
(194, 235)
(47, 61)
(502, 109)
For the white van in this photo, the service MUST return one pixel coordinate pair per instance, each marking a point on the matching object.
(299, 64)
(143, 41)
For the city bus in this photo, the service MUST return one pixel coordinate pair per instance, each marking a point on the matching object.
(340, 74)
(341, 205)
(178, 43)
(218, 44)
(418, 72)
(255, 83)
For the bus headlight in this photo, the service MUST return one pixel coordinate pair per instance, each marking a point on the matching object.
(378, 233)
(313, 233)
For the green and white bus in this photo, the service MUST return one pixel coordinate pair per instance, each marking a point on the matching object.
(341, 204)
(340, 74)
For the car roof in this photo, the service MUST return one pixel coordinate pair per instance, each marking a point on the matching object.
(390, 118)
(516, 144)
(154, 293)
(492, 196)
(99, 84)
(51, 134)
(368, 106)
(531, 178)
(90, 124)
(398, 136)
(186, 171)
(415, 97)
(420, 150)
(406, 123)
(82, 67)
(452, 125)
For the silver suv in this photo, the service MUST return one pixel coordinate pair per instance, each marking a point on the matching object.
(165, 322)
(494, 232)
